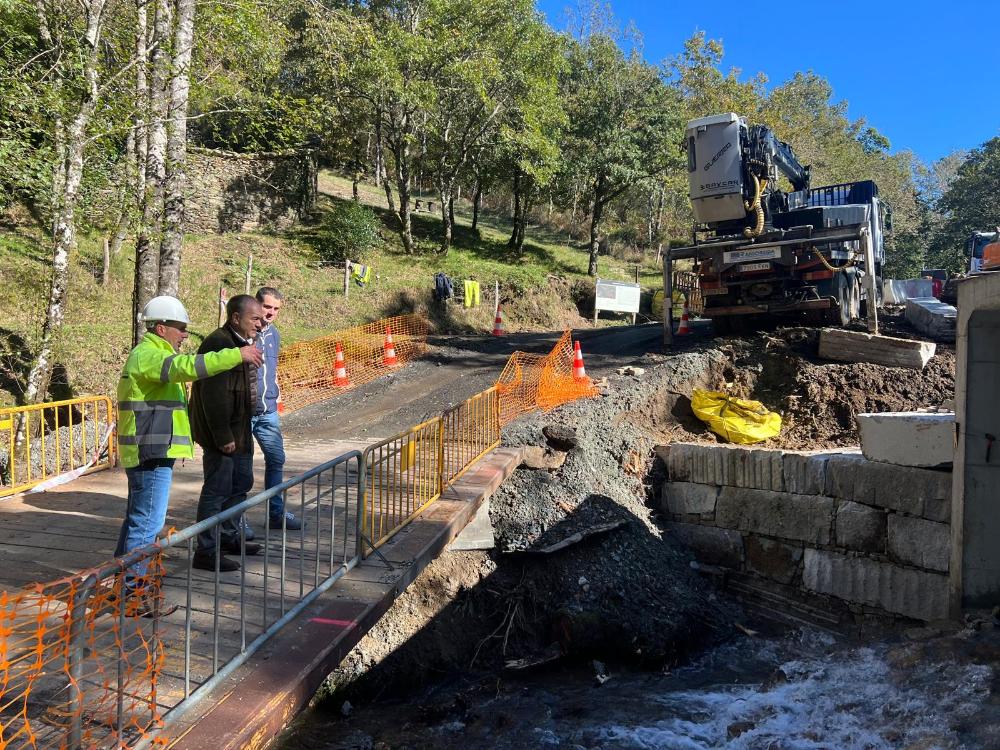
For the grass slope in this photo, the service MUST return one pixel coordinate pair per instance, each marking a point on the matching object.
(540, 288)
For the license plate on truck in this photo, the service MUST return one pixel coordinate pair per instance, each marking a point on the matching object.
(737, 256)
(746, 267)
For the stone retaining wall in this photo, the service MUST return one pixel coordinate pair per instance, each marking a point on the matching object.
(230, 192)
(833, 523)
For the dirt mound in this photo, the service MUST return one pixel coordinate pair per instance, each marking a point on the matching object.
(819, 400)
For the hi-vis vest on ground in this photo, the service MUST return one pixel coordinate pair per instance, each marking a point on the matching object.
(152, 405)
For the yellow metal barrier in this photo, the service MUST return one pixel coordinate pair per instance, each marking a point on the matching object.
(471, 430)
(404, 477)
(46, 440)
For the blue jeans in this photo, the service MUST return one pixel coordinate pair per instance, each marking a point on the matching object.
(228, 479)
(267, 429)
(148, 496)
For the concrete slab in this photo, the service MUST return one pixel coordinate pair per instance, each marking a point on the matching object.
(908, 438)
(478, 535)
(851, 346)
(932, 317)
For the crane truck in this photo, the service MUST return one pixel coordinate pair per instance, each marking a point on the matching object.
(760, 250)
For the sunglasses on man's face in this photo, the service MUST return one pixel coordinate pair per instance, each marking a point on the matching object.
(182, 327)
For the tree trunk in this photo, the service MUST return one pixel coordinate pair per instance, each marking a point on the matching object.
(64, 236)
(451, 207)
(147, 241)
(401, 153)
(477, 204)
(175, 178)
(595, 228)
(447, 217)
(516, 210)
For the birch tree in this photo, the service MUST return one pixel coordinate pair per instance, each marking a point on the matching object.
(176, 150)
(71, 45)
(155, 105)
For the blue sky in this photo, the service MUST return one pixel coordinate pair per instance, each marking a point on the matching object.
(926, 74)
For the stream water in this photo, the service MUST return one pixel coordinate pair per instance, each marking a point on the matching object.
(795, 691)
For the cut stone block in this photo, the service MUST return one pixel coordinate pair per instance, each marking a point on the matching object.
(773, 559)
(905, 591)
(851, 346)
(711, 545)
(908, 438)
(919, 492)
(805, 471)
(932, 317)
(804, 518)
(721, 465)
(687, 497)
(861, 527)
(915, 541)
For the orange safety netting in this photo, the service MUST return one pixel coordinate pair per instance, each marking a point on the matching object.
(79, 666)
(307, 370)
(534, 381)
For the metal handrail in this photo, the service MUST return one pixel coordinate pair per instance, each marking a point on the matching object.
(96, 644)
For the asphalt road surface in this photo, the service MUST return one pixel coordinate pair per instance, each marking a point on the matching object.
(453, 369)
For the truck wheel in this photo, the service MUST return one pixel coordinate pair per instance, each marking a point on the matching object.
(722, 326)
(841, 314)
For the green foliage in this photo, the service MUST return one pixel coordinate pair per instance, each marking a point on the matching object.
(350, 230)
(971, 202)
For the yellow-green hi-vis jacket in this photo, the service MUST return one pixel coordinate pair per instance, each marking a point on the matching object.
(152, 403)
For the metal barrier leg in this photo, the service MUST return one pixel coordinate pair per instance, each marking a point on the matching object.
(75, 648)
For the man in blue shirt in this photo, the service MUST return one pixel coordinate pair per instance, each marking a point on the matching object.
(265, 424)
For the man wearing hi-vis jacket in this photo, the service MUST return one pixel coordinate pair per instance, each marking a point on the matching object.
(153, 426)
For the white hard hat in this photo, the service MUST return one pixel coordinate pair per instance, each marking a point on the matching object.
(165, 308)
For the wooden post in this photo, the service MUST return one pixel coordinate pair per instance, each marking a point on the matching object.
(640, 292)
(246, 286)
(668, 299)
(106, 266)
(870, 280)
(496, 297)
(347, 278)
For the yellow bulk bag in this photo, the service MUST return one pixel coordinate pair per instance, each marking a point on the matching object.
(735, 419)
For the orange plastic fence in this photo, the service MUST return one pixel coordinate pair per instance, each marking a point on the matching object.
(78, 666)
(306, 369)
(533, 381)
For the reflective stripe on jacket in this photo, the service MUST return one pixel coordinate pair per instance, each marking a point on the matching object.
(152, 403)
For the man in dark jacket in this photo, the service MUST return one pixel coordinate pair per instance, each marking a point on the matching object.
(221, 408)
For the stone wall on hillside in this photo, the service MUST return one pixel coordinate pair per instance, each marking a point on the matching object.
(873, 536)
(231, 192)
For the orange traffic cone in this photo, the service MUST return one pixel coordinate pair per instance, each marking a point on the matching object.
(389, 355)
(498, 323)
(685, 327)
(579, 373)
(340, 369)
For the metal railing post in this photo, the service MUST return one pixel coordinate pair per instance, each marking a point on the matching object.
(75, 658)
(359, 524)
